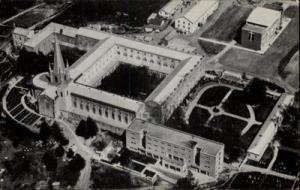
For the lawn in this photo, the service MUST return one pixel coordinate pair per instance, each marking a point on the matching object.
(104, 177)
(267, 64)
(131, 12)
(28, 19)
(287, 162)
(211, 48)
(255, 180)
(131, 81)
(248, 137)
(235, 105)
(198, 117)
(264, 109)
(222, 129)
(213, 96)
(227, 27)
(223, 122)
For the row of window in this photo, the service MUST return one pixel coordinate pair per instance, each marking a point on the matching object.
(102, 112)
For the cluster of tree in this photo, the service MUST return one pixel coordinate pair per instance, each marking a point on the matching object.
(69, 174)
(289, 135)
(254, 93)
(21, 165)
(87, 129)
(30, 63)
(187, 182)
(54, 131)
(18, 134)
(131, 81)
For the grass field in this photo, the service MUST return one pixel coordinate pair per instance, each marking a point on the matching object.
(34, 16)
(267, 64)
(228, 25)
(235, 105)
(131, 12)
(219, 123)
(263, 110)
(211, 48)
(198, 117)
(289, 73)
(213, 96)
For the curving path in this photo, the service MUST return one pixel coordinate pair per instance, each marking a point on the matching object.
(250, 121)
(17, 109)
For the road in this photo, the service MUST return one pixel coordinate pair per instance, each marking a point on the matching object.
(249, 168)
(20, 13)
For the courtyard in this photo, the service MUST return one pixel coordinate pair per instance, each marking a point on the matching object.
(220, 112)
(131, 81)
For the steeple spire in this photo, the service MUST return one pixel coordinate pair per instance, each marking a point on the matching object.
(59, 66)
(59, 73)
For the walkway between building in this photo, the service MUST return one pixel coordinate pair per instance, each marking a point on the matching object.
(249, 168)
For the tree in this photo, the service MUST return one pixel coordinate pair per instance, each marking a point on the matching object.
(50, 161)
(80, 130)
(59, 151)
(70, 153)
(255, 92)
(76, 164)
(87, 129)
(45, 131)
(92, 126)
(186, 182)
(58, 135)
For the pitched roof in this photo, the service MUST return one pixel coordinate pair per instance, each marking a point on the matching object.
(170, 6)
(199, 9)
(263, 16)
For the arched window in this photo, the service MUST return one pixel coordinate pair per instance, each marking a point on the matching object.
(75, 103)
(100, 111)
(87, 107)
(113, 115)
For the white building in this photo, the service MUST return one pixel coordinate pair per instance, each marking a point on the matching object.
(267, 132)
(169, 8)
(21, 35)
(261, 27)
(175, 150)
(72, 91)
(196, 15)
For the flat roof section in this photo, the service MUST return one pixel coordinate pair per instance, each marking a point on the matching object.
(177, 137)
(263, 16)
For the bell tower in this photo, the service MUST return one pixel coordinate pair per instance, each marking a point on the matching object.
(58, 72)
